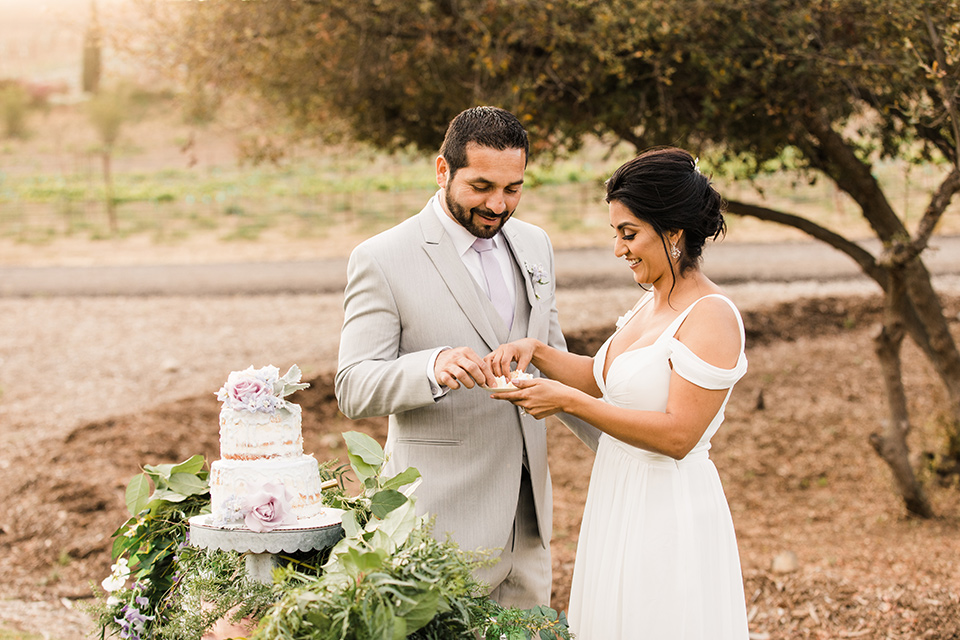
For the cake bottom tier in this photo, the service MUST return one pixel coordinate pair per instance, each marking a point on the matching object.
(231, 481)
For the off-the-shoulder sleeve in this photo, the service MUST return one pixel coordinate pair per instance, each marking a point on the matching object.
(690, 366)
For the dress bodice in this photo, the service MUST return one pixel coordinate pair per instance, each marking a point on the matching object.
(639, 378)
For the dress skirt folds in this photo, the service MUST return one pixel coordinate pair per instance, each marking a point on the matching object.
(657, 554)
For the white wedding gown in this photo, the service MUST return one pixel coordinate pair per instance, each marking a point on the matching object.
(657, 556)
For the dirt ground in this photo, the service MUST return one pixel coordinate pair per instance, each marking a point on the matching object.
(793, 455)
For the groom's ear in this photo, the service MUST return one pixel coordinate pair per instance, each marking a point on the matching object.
(443, 172)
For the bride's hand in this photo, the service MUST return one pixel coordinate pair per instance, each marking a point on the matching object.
(538, 397)
(519, 351)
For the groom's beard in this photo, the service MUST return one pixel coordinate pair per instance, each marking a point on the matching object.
(467, 219)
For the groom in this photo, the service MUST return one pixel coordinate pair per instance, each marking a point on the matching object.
(460, 274)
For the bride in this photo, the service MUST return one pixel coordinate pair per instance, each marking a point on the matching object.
(657, 555)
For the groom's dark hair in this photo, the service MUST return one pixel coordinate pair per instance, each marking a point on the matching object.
(488, 127)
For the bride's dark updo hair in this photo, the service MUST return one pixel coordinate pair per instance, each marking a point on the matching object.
(664, 188)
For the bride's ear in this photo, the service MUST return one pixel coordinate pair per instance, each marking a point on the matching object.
(675, 238)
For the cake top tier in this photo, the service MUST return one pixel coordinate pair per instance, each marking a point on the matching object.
(260, 390)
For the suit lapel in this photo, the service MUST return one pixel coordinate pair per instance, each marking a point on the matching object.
(449, 265)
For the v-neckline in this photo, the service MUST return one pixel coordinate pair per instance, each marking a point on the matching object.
(608, 363)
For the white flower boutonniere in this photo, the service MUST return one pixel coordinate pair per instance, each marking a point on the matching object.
(537, 275)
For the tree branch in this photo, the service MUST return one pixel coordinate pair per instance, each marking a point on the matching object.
(837, 159)
(861, 256)
(900, 253)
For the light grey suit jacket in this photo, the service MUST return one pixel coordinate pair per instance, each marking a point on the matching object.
(409, 293)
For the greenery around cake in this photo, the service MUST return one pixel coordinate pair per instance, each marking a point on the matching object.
(388, 578)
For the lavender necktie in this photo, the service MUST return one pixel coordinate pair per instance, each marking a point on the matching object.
(496, 287)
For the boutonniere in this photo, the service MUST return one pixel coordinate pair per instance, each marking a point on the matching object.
(538, 275)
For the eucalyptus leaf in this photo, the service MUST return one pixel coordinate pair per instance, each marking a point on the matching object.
(385, 501)
(364, 447)
(424, 611)
(350, 526)
(188, 484)
(401, 479)
(159, 470)
(192, 465)
(121, 544)
(377, 539)
(363, 470)
(138, 494)
(400, 628)
(357, 562)
(123, 528)
(167, 495)
(398, 524)
(413, 487)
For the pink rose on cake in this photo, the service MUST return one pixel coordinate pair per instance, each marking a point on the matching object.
(268, 508)
(250, 392)
(260, 390)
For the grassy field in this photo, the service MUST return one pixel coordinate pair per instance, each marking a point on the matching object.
(179, 187)
(181, 184)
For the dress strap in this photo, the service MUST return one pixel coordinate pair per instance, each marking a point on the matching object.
(692, 367)
(671, 330)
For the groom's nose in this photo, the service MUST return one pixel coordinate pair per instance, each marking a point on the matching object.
(497, 203)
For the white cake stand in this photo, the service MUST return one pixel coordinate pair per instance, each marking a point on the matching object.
(261, 549)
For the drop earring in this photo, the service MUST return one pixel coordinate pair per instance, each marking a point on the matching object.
(675, 252)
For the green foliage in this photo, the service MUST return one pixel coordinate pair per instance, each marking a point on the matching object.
(212, 585)
(7, 633)
(150, 541)
(14, 103)
(108, 110)
(388, 578)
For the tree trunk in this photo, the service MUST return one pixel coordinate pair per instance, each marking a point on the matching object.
(920, 307)
(108, 191)
(938, 345)
(892, 444)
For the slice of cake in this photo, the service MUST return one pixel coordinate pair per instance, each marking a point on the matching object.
(263, 479)
(503, 383)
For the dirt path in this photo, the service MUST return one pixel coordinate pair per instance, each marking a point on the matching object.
(95, 385)
(725, 263)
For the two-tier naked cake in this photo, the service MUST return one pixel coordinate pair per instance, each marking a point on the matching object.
(262, 468)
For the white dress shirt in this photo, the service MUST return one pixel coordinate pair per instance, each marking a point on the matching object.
(463, 242)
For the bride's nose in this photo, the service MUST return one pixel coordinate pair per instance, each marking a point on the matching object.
(619, 248)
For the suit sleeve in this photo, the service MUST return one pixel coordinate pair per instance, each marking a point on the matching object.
(373, 379)
(586, 432)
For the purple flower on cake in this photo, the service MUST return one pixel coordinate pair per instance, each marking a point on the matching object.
(230, 512)
(260, 390)
(268, 508)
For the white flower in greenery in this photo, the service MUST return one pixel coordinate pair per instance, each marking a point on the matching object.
(132, 530)
(118, 578)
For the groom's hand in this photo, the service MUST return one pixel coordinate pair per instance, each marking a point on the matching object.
(461, 366)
